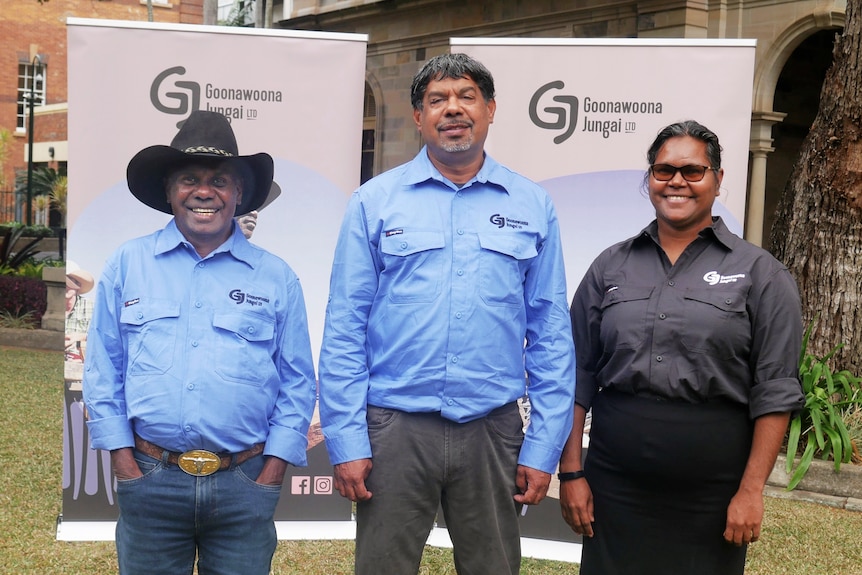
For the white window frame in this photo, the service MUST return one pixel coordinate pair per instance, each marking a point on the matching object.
(26, 76)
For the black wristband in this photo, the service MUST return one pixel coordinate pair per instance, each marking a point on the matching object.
(570, 475)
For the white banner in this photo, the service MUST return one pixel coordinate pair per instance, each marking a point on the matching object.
(295, 95)
(578, 116)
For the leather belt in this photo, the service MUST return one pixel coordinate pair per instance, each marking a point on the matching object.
(197, 462)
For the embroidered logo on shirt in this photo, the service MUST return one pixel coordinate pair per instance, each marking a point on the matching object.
(502, 222)
(715, 278)
(131, 302)
(253, 300)
(393, 232)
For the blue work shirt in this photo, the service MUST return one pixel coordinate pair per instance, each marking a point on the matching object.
(442, 299)
(199, 353)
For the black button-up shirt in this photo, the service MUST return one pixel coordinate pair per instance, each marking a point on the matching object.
(723, 322)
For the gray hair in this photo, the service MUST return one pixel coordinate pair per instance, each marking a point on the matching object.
(451, 66)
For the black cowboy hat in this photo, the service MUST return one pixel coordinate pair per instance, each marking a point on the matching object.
(203, 135)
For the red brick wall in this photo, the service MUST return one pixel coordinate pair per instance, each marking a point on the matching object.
(27, 22)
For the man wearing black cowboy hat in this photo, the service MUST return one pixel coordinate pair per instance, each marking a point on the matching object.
(199, 376)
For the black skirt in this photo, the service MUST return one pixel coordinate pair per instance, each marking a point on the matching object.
(662, 474)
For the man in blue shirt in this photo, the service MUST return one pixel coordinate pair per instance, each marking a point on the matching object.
(199, 377)
(447, 287)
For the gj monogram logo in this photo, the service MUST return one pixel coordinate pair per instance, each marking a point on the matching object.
(566, 117)
(180, 98)
(237, 296)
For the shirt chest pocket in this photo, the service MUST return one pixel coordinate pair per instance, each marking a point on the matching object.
(716, 323)
(624, 317)
(412, 266)
(242, 351)
(151, 330)
(502, 265)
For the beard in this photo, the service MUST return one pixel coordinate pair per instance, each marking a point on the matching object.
(456, 146)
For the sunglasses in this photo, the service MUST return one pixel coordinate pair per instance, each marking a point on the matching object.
(690, 173)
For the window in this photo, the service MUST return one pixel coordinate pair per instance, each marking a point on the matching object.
(30, 77)
(369, 123)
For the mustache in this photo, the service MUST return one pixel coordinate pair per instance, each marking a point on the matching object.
(455, 124)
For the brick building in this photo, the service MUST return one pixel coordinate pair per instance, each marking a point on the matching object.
(794, 49)
(34, 60)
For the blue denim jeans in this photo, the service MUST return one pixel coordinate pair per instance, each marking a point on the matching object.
(168, 517)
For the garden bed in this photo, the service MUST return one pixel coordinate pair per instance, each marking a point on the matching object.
(822, 478)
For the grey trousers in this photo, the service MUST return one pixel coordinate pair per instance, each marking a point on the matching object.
(422, 461)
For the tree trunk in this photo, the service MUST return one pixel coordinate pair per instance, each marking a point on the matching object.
(818, 229)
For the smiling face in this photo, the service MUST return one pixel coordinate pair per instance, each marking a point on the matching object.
(204, 197)
(454, 119)
(680, 205)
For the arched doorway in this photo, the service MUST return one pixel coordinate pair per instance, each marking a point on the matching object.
(797, 94)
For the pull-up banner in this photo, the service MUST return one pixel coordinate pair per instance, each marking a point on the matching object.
(577, 116)
(295, 95)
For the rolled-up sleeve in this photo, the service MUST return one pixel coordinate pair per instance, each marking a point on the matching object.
(776, 345)
(586, 327)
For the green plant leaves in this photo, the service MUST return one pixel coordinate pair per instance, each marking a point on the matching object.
(820, 424)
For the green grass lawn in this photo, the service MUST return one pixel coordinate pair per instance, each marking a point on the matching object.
(798, 538)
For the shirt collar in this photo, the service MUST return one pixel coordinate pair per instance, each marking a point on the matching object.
(236, 245)
(421, 170)
(717, 231)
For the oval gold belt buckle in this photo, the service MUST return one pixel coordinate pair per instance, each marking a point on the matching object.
(199, 462)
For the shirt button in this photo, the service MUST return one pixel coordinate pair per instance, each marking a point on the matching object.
(455, 359)
(662, 316)
(458, 194)
(403, 245)
(450, 402)
(659, 358)
(728, 301)
(251, 329)
(188, 427)
(139, 315)
(460, 232)
(202, 265)
(460, 272)
(191, 386)
(194, 343)
(198, 304)
(458, 315)
(671, 283)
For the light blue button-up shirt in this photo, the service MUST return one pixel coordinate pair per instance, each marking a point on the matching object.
(199, 353)
(443, 299)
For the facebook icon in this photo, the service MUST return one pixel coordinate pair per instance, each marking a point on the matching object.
(300, 485)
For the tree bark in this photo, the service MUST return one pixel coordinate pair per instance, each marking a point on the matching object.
(818, 229)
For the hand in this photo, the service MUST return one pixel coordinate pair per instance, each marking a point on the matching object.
(744, 517)
(272, 472)
(576, 501)
(533, 485)
(124, 465)
(350, 479)
(247, 223)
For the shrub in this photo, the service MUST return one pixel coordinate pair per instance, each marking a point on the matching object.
(20, 296)
(9, 320)
(10, 260)
(819, 428)
(27, 231)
